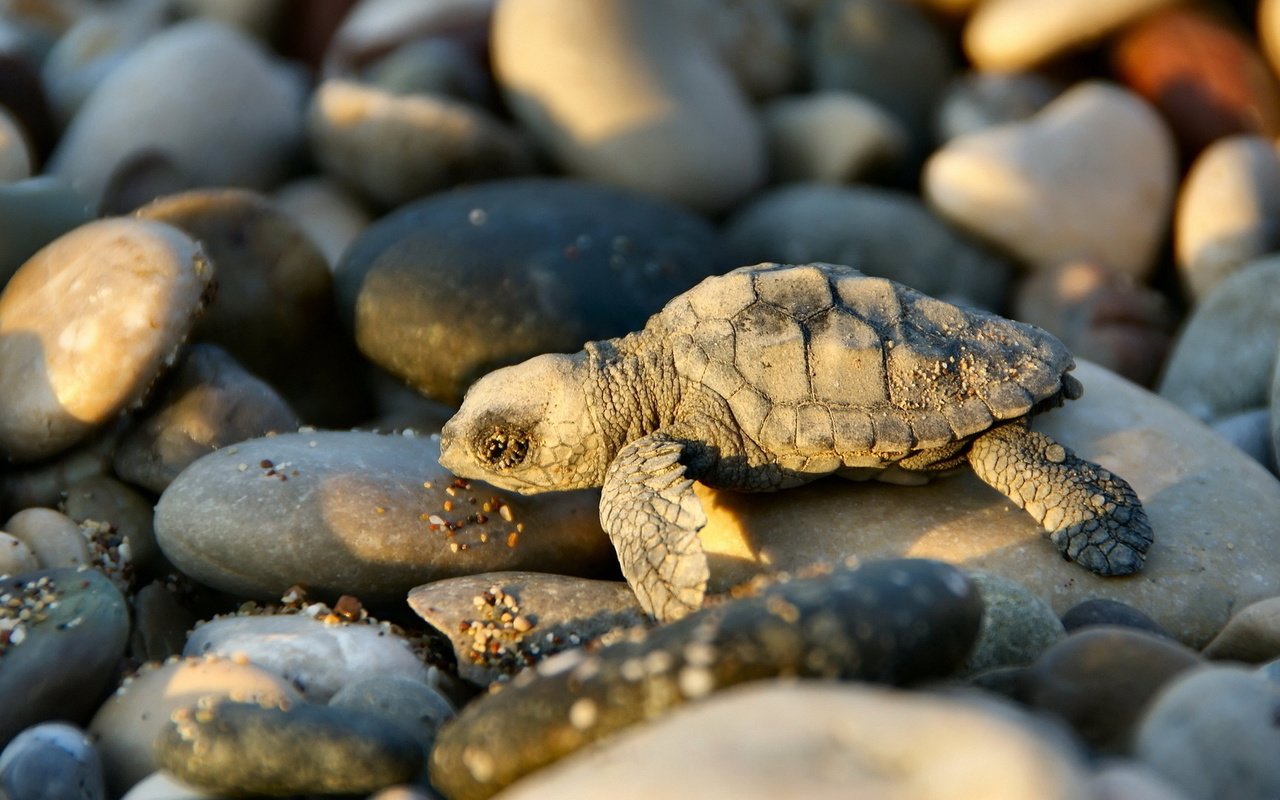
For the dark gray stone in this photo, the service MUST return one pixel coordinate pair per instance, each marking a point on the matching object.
(51, 761)
(161, 624)
(1104, 611)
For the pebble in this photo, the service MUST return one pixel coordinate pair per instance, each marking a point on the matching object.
(33, 213)
(1017, 626)
(1251, 432)
(208, 402)
(754, 39)
(415, 706)
(1097, 155)
(1222, 359)
(373, 29)
(72, 361)
(657, 111)
(1100, 679)
(976, 101)
(1127, 779)
(396, 148)
(51, 761)
(1101, 611)
(100, 501)
(62, 634)
(15, 556)
(318, 658)
(22, 94)
(160, 624)
(436, 66)
(1226, 211)
(807, 739)
(127, 724)
(500, 623)
(897, 621)
(830, 137)
(54, 538)
(1251, 635)
(1268, 23)
(163, 786)
(1212, 733)
(1010, 35)
(1100, 315)
(44, 483)
(1205, 76)
(452, 286)
(250, 749)
(1212, 509)
(882, 232)
(15, 154)
(355, 513)
(174, 94)
(890, 52)
(327, 213)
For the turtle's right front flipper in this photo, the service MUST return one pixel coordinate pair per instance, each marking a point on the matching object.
(649, 509)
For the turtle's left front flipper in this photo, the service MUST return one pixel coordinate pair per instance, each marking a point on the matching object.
(1092, 515)
(652, 516)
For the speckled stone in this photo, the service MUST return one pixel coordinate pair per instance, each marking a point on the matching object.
(830, 137)
(353, 514)
(248, 749)
(502, 622)
(892, 621)
(452, 286)
(1100, 679)
(656, 110)
(1017, 626)
(1009, 35)
(1212, 509)
(72, 361)
(209, 401)
(51, 761)
(58, 667)
(819, 740)
(882, 232)
(316, 657)
(1212, 733)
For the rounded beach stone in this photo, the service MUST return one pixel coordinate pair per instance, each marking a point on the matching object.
(163, 786)
(54, 538)
(882, 232)
(203, 93)
(776, 739)
(1212, 509)
(897, 621)
(15, 556)
(1009, 35)
(830, 137)
(59, 661)
(126, 726)
(250, 749)
(1251, 432)
(1101, 611)
(452, 286)
(1127, 779)
(100, 500)
(1213, 734)
(209, 401)
(33, 213)
(436, 66)
(44, 483)
(1226, 211)
(395, 148)
(501, 622)
(52, 761)
(1222, 359)
(325, 212)
(1252, 634)
(15, 153)
(362, 514)
(314, 656)
(374, 28)
(755, 39)
(641, 100)
(87, 324)
(415, 706)
(979, 100)
(1017, 626)
(1099, 680)
(1098, 156)
(160, 624)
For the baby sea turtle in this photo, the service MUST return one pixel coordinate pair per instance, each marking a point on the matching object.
(772, 376)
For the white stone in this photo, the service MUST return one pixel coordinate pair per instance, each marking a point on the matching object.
(830, 137)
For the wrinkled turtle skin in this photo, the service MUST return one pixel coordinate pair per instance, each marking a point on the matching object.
(775, 375)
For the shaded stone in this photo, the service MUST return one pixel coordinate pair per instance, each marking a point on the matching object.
(87, 324)
(325, 212)
(413, 705)
(1212, 733)
(15, 157)
(209, 401)
(1100, 679)
(1252, 634)
(22, 94)
(1251, 432)
(160, 624)
(44, 483)
(373, 29)
(33, 213)
(754, 39)
(51, 761)
(1131, 780)
(1017, 626)
(455, 285)
(249, 749)
(437, 65)
(140, 178)
(881, 232)
(809, 739)
(1101, 611)
(100, 500)
(893, 622)
(976, 101)
(57, 663)
(1211, 507)
(657, 111)
(501, 622)
(54, 538)
(163, 786)
(357, 513)
(830, 137)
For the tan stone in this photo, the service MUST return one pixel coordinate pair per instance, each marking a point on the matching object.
(1006, 35)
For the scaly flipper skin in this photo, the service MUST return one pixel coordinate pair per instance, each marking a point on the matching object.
(652, 516)
(1093, 516)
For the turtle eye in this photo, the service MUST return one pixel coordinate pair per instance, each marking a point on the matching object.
(504, 449)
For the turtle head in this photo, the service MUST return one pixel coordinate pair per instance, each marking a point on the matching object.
(527, 428)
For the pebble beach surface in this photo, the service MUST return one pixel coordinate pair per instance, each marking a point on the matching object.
(253, 254)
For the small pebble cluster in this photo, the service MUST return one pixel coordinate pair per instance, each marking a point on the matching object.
(252, 256)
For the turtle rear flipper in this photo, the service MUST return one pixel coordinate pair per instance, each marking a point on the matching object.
(1093, 516)
(649, 509)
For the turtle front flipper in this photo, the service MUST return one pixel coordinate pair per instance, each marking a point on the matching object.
(1093, 516)
(652, 516)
